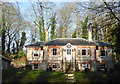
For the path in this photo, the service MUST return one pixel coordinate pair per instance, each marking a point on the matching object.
(70, 77)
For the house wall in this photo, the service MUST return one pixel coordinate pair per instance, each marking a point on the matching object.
(47, 59)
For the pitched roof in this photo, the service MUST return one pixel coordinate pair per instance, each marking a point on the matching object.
(72, 41)
(100, 43)
(35, 44)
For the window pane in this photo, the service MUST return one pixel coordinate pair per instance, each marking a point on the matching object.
(35, 54)
(54, 51)
(53, 65)
(35, 66)
(69, 51)
(102, 52)
(83, 52)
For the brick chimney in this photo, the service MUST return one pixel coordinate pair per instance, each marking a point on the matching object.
(89, 35)
(46, 34)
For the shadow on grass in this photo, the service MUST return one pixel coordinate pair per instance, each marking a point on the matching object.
(13, 75)
(46, 76)
(97, 77)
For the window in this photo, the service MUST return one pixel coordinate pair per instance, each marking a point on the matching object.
(68, 51)
(102, 52)
(102, 66)
(36, 52)
(54, 51)
(83, 51)
(88, 51)
(41, 48)
(35, 66)
(78, 51)
(84, 66)
(54, 66)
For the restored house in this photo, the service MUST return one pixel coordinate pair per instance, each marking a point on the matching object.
(73, 54)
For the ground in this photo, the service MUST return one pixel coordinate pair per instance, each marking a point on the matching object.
(44, 76)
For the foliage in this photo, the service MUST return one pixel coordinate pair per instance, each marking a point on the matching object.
(53, 26)
(23, 39)
(20, 54)
(85, 26)
(74, 34)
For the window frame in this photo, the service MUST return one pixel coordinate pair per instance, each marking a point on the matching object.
(54, 51)
(36, 66)
(70, 52)
(54, 65)
(82, 51)
(102, 54)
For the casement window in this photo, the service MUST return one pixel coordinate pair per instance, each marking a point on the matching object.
(35, 66)
(54, 51)
(84, 51)
(36, 53)
(88, 51)
(84, 66)
(102, 66)
(78, 51)
(54, 66)
(102, 51)
(68, 51)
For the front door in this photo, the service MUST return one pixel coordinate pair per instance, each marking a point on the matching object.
(69, 55)
(69, 64)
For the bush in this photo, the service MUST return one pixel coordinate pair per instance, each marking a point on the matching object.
(20, 54)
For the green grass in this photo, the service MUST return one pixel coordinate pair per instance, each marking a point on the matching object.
(97, 76)
(27, 76)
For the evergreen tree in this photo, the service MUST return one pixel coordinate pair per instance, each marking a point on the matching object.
(53, 26)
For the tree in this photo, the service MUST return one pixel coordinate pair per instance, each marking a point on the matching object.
(65, 19)
(53, 26)
(74, 35)
(13, 24)
(85, 25)
(108, 12)
(23, 39)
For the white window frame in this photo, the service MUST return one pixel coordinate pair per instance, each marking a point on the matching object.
(54, 51)
(69, 52)
(82, 51)
(85, 66)
(53, 65)
(34, 66)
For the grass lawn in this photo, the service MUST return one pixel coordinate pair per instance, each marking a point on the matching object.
(32, 76)
(97, 76)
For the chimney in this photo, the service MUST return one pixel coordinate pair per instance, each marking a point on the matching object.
(89, 35)
(46, 34)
